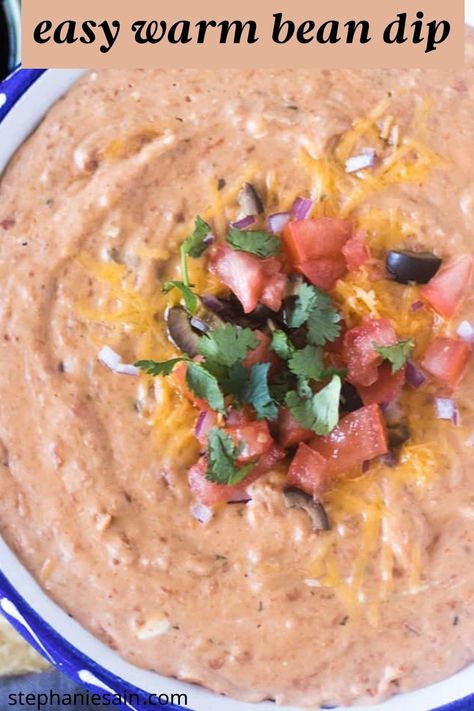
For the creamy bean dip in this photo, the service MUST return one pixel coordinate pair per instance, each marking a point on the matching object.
(257, 599)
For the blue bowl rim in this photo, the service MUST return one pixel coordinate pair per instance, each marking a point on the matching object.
(36, 631)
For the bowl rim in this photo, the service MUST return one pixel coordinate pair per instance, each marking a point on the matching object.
(37, 629)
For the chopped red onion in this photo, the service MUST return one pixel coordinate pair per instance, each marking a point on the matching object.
(209, 239)
(365, 160)
(446, 409)
(202, 513)
(243, 223)
(414, 375)
(278, 221)
(301, 208)
(109, 357)
(466, 331)
(388, 460)
(112, 360)
(204, 423)
(127, 369)
(416, 306)
(365, 466)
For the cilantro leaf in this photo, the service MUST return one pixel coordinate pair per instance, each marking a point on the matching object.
(281, 345)
(190, 298)
(257, 392)
(155, 368)
(324, 326)
(194, 246)
(205, 386)
(249, 386)
(222, 457)
(307, 363)
(227, 344)
(319, 412)
(315, 308)
(397, 354)
(262, 244)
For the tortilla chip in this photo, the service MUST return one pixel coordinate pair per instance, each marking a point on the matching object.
(16, 656)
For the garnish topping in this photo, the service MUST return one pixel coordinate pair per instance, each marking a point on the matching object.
(398, 354)
(262, 244)
(318, 412)
(315, 308)
(222, 457)
(194, 246)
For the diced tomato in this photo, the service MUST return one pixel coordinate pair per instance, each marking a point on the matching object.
(179, 375)
(356, 252)
(211, 494)
(290, 432)
(263, 354)
(204, 424)
(250, 278)
(241, 272)
(256, 438)
(360, 355)
(386, 388)
(449, 287)
(309, 471)
(359, 436)
(446, 359)
(323, 272)
(306, 240)
(274, 291)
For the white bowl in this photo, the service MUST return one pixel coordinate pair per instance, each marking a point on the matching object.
(24, 98)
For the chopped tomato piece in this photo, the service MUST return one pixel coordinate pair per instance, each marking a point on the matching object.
(179, 375)
(359, 436)
(256, 438)
(446, 359)
(386, 388)
(211, 494)
(306, 240)
(356, 252)
(360, 355)
(323, 272)
(250, 278)
(446, 291)
(262, 353)
(290, 432)
(274, 291)
(309, 471)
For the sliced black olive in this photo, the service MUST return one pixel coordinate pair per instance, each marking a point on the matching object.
(398, 434)
(181, 332)
(350, 400)
(406, 266)
(250, 201)
(199, 325)
(297, 499)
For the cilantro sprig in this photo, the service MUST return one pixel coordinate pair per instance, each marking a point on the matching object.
(315, 309)
(227, 344)
(222, 459)
(398, 354)
(262, 244)
(190, 298)
(194, 246)
(250, 386)
(317, 412)
(203, 384)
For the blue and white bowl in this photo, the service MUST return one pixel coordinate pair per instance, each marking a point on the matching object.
(24, 99)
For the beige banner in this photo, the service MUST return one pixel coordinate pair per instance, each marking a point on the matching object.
(248, 33)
